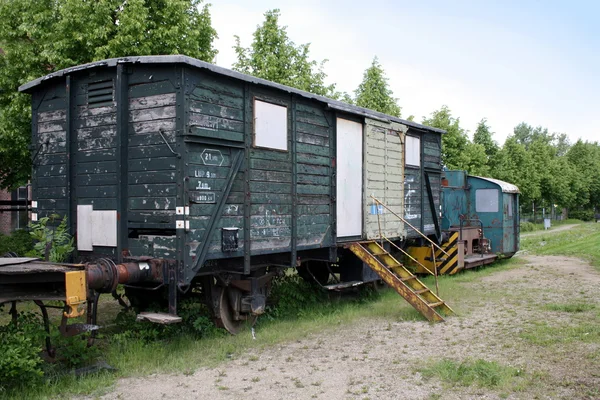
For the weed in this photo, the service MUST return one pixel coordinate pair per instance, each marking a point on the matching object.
(255, 379)
(543, 334)
(487, 374)
(297, 383)
(570, 307)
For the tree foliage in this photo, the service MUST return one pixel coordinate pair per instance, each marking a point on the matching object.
(454, 142)
(483, 136)
(374, 91)
(38, 37)
(273, 56)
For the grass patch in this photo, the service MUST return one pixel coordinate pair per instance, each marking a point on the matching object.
(544, 334)
(531, 227)
(580, 241)
(481, 373)
(570, 307)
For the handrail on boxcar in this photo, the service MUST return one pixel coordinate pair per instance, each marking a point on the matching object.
(408, 223)
(403, 251)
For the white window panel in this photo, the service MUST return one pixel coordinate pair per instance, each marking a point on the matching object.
(270, 125)
(349, 154)
(486, 200)
(413, 151)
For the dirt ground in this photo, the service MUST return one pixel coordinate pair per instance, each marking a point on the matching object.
(378, 359)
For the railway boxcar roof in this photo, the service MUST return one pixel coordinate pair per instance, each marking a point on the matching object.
(505, 186)
(180, 59)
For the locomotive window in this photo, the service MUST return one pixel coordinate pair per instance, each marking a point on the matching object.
(486, 200)
(510, 204)
(270, 125)
(413, 151)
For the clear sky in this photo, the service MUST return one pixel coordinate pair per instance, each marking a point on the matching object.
(509, 61)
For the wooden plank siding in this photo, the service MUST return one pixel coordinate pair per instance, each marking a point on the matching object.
(49, 138)
(216, 112)
(417, 209)
(94, 128)
(314, 128)
(384, 171)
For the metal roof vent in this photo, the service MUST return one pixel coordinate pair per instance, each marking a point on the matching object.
(101, 94)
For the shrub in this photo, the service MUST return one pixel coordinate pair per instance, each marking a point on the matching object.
(528, 227)
(291, 296)
(19, 242)
(584, 215)
(52, 244)
(20, 347)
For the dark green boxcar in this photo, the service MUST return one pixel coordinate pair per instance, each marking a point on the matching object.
(168, 157)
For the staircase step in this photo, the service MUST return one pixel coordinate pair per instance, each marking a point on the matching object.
(403, 281)
(378, 251)
(433, 305)
(158, 318)
(343, 285)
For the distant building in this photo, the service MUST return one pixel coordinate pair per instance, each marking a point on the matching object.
(12, 215)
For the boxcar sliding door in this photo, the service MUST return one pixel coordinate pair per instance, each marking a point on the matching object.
(349, 156)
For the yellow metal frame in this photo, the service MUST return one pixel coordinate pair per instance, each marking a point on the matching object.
(75, 293)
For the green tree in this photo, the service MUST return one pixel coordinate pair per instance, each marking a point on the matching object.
(585, 159)
(476, 160)
(483, 136)
(526, 134)
(514, 164)
(454, 142)
(39, 37)
(274, 57)
(374, 91)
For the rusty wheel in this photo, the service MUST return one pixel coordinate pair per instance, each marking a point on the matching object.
(226, 316)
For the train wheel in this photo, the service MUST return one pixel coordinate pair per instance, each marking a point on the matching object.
(226, 315)
(314, 271)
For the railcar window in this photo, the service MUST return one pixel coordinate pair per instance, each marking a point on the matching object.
(413, 151)
(270, 125)
(486, 200)
(510, 205)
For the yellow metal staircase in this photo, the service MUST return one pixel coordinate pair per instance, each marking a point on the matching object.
(402, 280)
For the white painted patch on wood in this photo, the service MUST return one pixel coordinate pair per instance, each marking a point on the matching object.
(84, 227)
(104, 228)
(270, 125)
(95, 228)
(349, 156)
